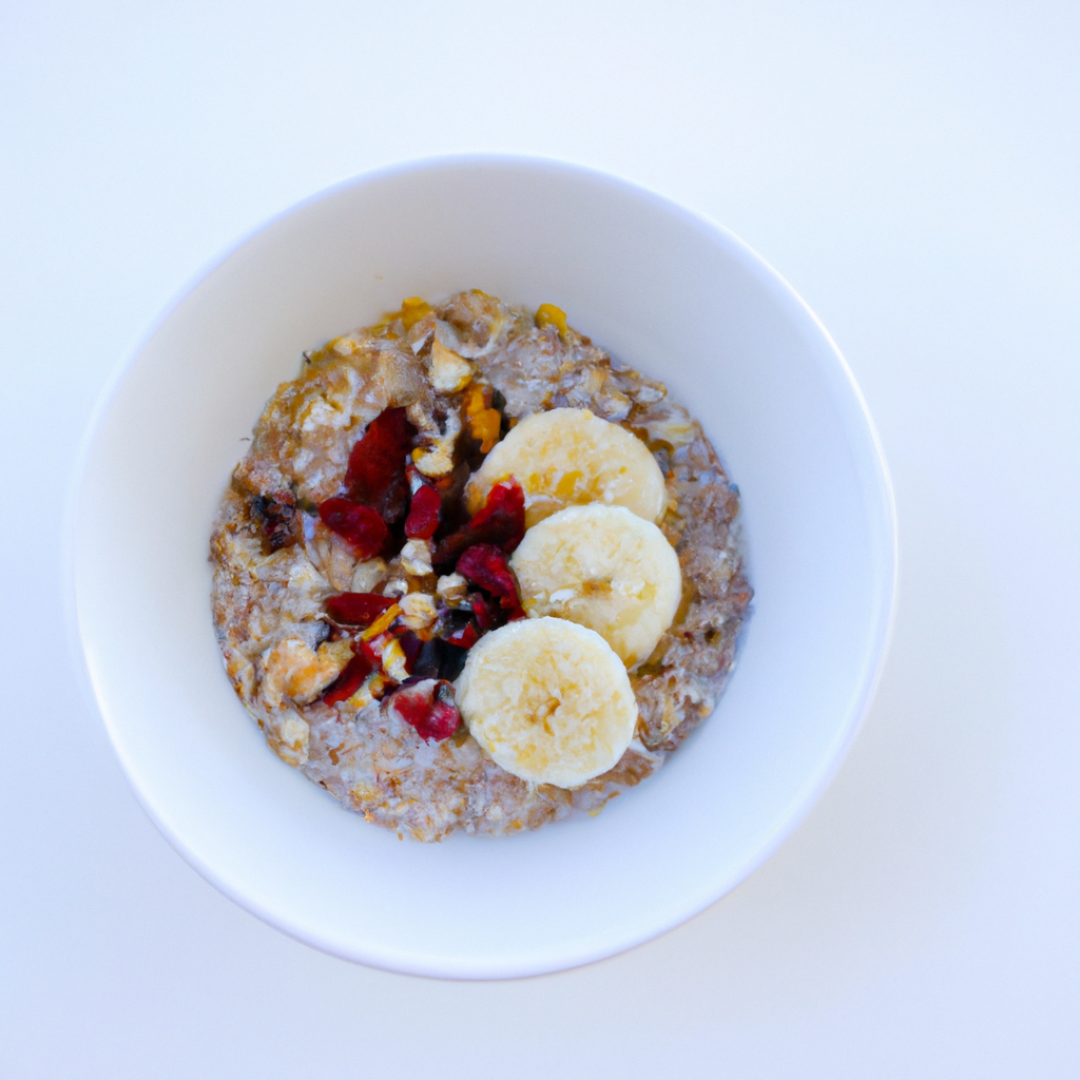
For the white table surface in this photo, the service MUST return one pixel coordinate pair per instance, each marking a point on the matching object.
(913, 170)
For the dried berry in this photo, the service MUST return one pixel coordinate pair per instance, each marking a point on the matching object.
(376, 472)
(440, 659)
(361, 526)
(466, 636)
(372, 650)
(277, 513)
(485, 565)
(357, 609)
(500, 521)
(349, 681)
(412, 647)
(428, 706)
(488, 613)
(424, 510)
(457, 626)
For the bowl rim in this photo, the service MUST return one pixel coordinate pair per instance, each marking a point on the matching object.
(855, 410)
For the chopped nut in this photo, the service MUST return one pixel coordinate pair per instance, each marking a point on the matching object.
(416, 557)
(419, 334)
(344, 346)
(293, 736)
(393, 661)
(439, 459)
(449, 372)
(332, 556)
(437, 462)
(294, 670)
(418, 610)
(367, 575)
(453, 588)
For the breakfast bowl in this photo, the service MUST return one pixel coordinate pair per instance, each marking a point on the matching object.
(663, 290)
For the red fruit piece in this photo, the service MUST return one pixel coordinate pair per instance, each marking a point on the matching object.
(487, 612)
(376, 472)
(349, 681)
(428, 706)
(423, 517)
(467, 636)
(500, 521)
(373, 653)
(364, 529)
(485, 565)
(357, 608)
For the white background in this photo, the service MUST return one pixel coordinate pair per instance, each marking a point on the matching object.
(913, 170)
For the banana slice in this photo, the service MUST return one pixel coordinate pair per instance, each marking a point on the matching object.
(565, 457)
(604, 568)
(548, 700)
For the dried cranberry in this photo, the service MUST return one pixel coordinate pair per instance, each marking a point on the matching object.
(357, 608)
(373, 654)
(428, 706)
(465, 637)
(423, 517)
(376, 472)
(485, 565)
(486, 611)
(500, 521)
(364, 529)
(349, 681)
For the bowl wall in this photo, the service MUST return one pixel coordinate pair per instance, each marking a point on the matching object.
(664, 291)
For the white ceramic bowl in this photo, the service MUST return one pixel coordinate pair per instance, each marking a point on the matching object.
(662, 289)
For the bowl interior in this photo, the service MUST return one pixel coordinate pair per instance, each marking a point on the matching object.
(662, 290)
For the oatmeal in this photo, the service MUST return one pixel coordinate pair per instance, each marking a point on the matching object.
(422, 491)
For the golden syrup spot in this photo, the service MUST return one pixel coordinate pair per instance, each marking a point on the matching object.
(595, 588)
(381, 623)
(550, 315)
(485, 427)
(565, 487)
(477, 399)
(413, 310)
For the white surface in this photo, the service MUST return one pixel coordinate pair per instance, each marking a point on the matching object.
(911, 169)
(723, 332)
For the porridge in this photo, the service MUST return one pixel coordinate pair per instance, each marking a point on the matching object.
(473, 574)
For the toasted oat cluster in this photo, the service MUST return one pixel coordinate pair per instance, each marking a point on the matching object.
(363, 548)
